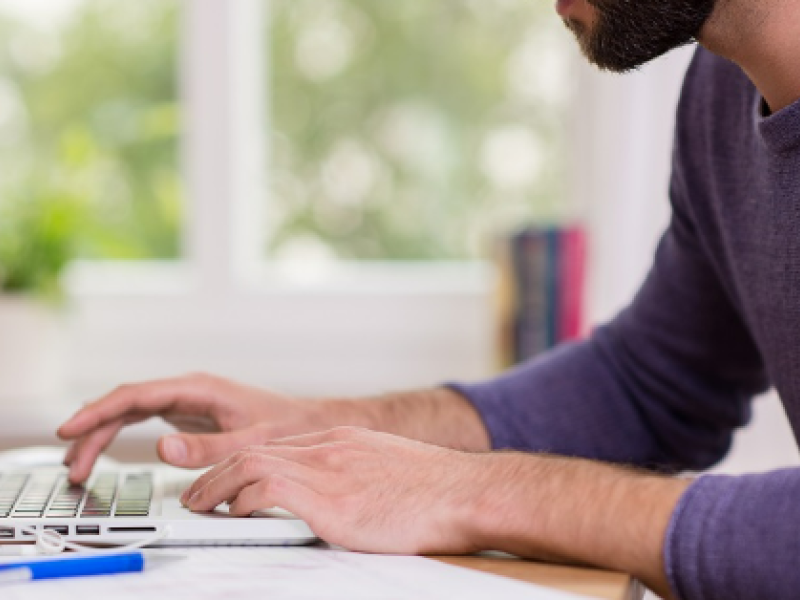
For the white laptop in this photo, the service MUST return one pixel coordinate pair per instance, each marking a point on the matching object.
(128, 504)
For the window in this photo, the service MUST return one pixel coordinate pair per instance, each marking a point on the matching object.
(412, 130)
(396, 130)
(220, 146)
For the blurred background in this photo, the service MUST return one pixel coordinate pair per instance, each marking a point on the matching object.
(305, 195)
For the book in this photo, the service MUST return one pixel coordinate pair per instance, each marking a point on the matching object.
(540, 291)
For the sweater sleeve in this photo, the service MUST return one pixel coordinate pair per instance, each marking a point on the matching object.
(663, 385)
(736, 537)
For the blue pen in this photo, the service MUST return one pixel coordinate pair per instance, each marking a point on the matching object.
(80, 565)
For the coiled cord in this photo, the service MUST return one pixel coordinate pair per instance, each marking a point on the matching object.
(50, 542)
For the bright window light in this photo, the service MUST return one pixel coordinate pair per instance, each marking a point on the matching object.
(412, 130)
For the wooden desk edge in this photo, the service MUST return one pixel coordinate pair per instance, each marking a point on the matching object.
(606, 585)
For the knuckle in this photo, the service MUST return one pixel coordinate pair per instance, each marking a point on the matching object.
(251, 449)
(243, 453)
(333, 456)
(250, 464)
(266, 486)
(204, 446)
(124, 389)
(200, 379)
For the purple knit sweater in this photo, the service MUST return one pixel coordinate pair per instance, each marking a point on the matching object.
(716, 322)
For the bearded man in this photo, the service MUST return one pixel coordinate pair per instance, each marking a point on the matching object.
(598, 426)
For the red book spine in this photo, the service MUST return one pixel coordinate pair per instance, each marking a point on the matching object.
(573, 276)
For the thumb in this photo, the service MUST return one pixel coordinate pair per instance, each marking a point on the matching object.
(202, 450)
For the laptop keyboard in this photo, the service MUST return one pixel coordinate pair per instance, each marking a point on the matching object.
(31, 496)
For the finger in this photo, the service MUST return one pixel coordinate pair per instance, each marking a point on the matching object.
(70, 454)
(146, 398)
(83, 444)
(76, 448)
(209, 476)
(191, 450)
(309, 456)
(249, 469)
(88, 449)
(282, 492)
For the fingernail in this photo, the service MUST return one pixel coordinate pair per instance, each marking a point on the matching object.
(193, 499)
(174, 449)
(185, 498)
(73, 475)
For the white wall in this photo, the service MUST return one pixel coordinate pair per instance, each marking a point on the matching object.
(623, 136)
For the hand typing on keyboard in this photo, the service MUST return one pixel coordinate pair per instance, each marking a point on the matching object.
(216, 416)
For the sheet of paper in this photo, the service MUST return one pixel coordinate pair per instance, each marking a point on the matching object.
(288, 574)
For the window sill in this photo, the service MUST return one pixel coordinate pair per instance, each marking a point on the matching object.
(175, 278)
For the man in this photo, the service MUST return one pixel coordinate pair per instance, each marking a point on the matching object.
(661, 388)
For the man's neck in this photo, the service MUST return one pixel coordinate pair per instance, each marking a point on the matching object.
(763, 38)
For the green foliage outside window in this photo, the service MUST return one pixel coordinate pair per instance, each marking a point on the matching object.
(37, 241)
(399, 130)
(412, 130)
(88, 110)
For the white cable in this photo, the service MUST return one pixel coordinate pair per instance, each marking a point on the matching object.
(49, 542)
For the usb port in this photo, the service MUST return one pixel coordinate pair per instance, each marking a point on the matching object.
(60, 529)
(87, 530)
(7, 533)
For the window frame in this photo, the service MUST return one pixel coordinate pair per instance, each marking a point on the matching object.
(223, 94)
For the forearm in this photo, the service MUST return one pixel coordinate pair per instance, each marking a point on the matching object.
(578, 511)
(437, 416)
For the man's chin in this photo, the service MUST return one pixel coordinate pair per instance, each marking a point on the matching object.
(615, 39)
(604, 57)
(591, 49)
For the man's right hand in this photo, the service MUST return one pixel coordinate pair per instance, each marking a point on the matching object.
(216, 417)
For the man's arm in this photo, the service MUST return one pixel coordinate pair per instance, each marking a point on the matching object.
(584, 512)
(713, 538)
(216, 417)
(438, 416)
(374, 492)
(663, 385)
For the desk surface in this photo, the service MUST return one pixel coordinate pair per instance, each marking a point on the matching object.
(588, 582)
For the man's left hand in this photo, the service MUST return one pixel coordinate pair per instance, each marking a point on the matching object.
(375, 492)
(356, 488)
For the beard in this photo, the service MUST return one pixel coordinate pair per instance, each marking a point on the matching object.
(630, 33)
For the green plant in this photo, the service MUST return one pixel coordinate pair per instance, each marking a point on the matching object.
(37, 235)
(89, 102)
